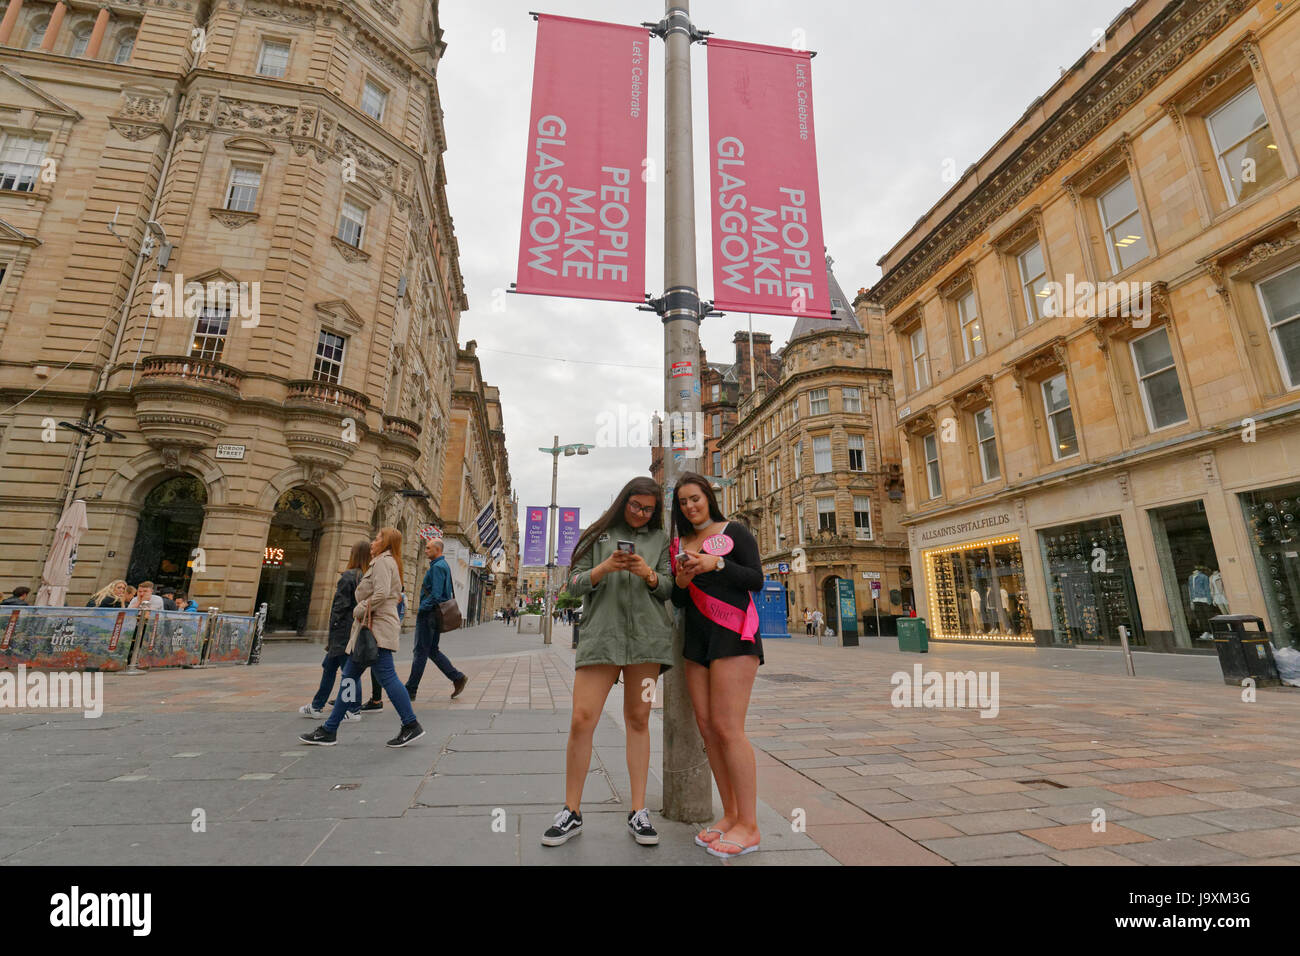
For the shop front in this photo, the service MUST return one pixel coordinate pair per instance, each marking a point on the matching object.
(1090, 584)
(976, 590)
(1272, 518)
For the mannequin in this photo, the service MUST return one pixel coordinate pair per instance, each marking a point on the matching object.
(1198, 590)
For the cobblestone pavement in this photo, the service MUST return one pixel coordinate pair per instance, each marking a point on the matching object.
(1184, 770)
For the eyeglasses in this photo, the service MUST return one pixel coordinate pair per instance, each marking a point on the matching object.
(639, 509)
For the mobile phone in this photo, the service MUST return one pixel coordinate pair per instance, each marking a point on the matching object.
(627, 546)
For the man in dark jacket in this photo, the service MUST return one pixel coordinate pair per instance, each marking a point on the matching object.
(18, 597)
(435, 590)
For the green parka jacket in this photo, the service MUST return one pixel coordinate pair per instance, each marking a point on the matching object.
(623, 621)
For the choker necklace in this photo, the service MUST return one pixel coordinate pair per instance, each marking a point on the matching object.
(708, 522)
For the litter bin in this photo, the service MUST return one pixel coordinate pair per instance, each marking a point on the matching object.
(913, 635)
(1244, 653)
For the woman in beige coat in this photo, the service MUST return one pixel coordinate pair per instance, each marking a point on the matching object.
(378, 594)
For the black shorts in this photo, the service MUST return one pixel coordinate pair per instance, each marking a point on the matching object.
(703, 645)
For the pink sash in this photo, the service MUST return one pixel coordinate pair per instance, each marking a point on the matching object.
(744, 623)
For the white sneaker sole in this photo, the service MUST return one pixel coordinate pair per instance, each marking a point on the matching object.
(644, 840)
(561, 840)
(405, 742)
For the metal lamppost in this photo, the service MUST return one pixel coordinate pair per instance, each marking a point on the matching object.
(555, 451)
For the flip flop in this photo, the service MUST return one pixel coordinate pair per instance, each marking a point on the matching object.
(706, 843)
(727, 856)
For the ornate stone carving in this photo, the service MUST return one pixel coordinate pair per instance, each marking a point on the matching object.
(1263, 251)
(975, 396)
(271, 118)
(368, 160)
(349, 252)
(964, 276)
(299, 17)
(1125, 492)
(233, 218)
(143, 106)
(390, 64)
(387, 9)
(1028, 226)
(135, 131)
(1210, 468)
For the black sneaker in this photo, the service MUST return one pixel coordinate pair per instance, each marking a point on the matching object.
(411, 731)
(373, 705)
(320, 737)
(567, 824)
(638, 825)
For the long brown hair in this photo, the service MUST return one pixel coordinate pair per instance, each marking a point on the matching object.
(637, 486)
(685, 528)
(392, 539)
(360, 556)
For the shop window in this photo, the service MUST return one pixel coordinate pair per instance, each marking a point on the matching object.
(1279, 297)
(1090, 584)
(1189, 570)
(1273, 520)
(1162, 397)
(977, 592)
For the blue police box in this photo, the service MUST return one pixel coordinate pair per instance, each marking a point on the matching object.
(770, 601)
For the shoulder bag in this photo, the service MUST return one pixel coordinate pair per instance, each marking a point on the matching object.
(365, 650)
(449, 616)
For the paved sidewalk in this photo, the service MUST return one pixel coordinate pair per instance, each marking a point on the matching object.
(1184, 771)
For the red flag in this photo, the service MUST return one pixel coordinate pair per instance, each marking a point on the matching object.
(583, 229)
(768, 251)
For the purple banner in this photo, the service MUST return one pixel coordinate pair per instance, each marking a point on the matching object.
(568, 525)
(535, 536)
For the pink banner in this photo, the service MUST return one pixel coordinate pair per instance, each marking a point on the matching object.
(583, 231)
(768, 251)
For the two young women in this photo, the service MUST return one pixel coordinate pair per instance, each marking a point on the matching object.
(708, 568)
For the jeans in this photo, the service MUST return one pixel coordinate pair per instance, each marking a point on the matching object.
(330, 667)
(426, 647)
(350, 688)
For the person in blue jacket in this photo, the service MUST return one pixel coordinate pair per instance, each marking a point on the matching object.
(435, 589)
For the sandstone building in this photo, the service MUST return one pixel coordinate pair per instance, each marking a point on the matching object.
(287, 158)
(1095, 336)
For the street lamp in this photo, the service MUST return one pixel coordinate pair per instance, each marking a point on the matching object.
(578, 448)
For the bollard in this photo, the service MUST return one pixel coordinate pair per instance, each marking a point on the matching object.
(1128, 654)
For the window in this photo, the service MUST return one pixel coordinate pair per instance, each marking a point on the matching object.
(1122, 224)
(329, 358)
(930, 445)
(241, 193)
(852, 399)
(755, 482)
(798, 520)
(1033, 281)
(988, 446)
(80, 40)
(717, 464)
(1056, 399)
(771, 475)
(1281, 298)
(972, 334)
(1161, 395)
(836, 304)
(776, 530)
(20, 161)
(920, 366)
(819, 401)
(1244, 145)
(124, 47)
(38, 34)
(821, 454)
(352, 223)
(826, 514)
(857, 453)
(210, 330)
(273, 60)
(798, 458)
(862, 517)
(715, 391)
(717, 425)
(373, 100)
(794, 410)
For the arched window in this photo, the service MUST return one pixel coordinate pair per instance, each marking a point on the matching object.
(171, 521)
(125, 44)
(81, 40)
(37, 35)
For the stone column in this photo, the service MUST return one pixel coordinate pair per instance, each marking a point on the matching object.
(97, 35)
(52, 30)
(10, 20)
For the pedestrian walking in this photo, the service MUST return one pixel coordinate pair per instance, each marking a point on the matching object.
(377, 596)
(340, 630)
(716, 566)
(435, 589)
(621, 572)
(818, 620)
(112, 594)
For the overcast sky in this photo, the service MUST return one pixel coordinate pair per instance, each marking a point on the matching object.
(898, 89)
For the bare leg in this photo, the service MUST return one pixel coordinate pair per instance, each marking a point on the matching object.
(697, 685)
(730, 681)
(638, 696)
(590, 688)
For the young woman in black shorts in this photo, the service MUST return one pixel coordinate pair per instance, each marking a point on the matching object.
(716, 566)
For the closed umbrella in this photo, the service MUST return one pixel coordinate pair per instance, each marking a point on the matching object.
(57, 574)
